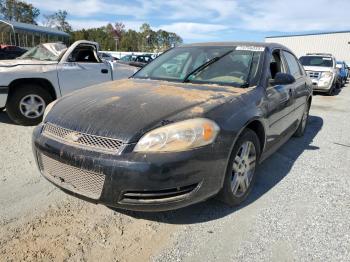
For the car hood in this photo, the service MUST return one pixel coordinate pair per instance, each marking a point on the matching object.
(318, 68)
(23, 62)
(126, 109)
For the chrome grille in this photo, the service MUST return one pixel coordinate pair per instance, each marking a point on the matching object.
(82, 139)
(74, 179)
(313, 74)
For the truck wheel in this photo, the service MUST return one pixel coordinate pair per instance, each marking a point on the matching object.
(240, 174)
(26, 105)
(2, 109)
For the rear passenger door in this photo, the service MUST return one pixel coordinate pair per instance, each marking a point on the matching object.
(299, 86)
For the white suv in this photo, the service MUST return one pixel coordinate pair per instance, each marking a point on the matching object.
(322, 70)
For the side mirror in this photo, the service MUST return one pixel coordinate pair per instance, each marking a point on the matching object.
(282, 79)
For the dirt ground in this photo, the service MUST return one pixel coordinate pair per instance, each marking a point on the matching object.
(79, 231)
(298, 209)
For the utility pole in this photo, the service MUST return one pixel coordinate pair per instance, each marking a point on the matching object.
(116, 39)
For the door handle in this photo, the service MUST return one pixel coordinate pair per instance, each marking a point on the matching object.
(104, 71)
(291, 94)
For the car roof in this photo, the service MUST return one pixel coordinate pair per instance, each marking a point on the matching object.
(258, 44)
(319, 54)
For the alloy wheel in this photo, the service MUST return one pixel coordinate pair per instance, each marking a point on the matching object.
(32, 106)
(243, 169)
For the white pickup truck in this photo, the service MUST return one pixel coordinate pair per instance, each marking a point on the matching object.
(49, 71)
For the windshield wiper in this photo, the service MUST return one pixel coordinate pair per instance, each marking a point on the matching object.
(205, 65)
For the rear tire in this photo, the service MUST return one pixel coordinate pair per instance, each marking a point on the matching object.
(27, 103)
(303, 123)
(240, 174)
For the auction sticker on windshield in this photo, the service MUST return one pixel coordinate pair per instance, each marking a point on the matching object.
(251, 48)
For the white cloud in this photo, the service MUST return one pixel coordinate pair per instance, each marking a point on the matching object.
(295, 16)
(194, 31)
(87, 8)
(91, 23)
(205, 10)
(206, 19)
(171, 9)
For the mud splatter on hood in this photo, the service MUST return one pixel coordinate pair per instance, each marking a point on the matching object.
(126, 109)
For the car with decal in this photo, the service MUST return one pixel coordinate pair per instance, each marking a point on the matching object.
(48, 71)
(168, 138)
(322, 69)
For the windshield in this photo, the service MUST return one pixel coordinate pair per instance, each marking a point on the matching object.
(45, 52)
(316, 61)
(230, 65)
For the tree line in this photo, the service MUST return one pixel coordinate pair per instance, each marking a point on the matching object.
(110, 37)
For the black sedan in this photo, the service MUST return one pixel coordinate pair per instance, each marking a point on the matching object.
(192, 124)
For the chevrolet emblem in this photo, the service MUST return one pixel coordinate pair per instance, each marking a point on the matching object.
(73, 137)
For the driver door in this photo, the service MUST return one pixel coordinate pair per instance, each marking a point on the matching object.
(280, 102)
(82, 68)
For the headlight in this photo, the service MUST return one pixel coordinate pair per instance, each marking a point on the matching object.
(179, 136)
(327, 75)
(48, 108)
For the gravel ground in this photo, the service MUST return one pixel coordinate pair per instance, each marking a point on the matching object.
(298, 210)
(300, 207)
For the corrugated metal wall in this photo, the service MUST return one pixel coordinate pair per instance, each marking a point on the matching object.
(335, 43)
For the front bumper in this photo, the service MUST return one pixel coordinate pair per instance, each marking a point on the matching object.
(135, 181)
(3, 95)
(319, 86)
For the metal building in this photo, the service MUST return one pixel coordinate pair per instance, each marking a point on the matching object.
(336, 43)
(28, 35)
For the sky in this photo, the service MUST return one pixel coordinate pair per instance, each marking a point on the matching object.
(208, 20)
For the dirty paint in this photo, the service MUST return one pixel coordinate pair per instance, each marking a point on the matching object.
(128, 109)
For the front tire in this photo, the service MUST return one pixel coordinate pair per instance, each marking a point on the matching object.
(240, 174)
(27, 103)
(331, 90)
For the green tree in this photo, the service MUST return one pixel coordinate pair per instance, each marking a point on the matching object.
(101, 35)
(130, 41)
(58, 20)
(146, 40)
(19, 11)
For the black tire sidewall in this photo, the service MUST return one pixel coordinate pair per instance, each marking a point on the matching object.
(12, 105)
(301, 131)
(226, 195)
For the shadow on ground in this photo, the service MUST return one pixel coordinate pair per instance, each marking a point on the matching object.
(5, 119)
(335, 92)
(269, 174)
